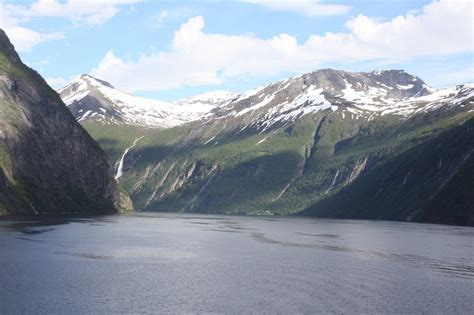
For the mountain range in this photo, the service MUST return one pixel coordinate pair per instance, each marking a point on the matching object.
(330, 143)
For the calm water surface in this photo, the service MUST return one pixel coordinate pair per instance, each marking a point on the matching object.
(175, 263)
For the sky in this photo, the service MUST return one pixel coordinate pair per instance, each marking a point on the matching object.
(173, 49)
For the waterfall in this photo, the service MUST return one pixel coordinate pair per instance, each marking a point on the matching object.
(119, 172)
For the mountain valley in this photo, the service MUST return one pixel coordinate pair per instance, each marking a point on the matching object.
(377, 145)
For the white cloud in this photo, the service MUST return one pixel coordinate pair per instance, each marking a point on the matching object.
(11, 17)
(304, 7)
(199, 58)
(24, 39)
(80, 12)
(166, 15)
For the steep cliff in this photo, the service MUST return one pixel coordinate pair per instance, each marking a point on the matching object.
(48, 162)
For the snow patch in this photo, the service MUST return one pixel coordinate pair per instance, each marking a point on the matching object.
(405, 87)
(267, 100)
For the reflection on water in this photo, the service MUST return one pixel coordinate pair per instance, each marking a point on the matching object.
(177, 263)
(39, 231)
(442, 266)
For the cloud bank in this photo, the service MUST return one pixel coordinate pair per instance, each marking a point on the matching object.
(198, 58)
(79, 12)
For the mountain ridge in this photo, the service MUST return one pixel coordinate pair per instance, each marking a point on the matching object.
(379, 92)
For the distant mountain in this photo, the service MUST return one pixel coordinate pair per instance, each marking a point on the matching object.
(376, 145)
(208, 100)
(48, 163)
(89, 98)
(371, 94)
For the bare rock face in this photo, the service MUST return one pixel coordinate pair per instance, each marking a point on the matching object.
(48, 163)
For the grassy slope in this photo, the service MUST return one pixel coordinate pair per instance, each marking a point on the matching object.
(428, 182)
(241, 176)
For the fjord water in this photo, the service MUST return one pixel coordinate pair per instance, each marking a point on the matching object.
(176, 263)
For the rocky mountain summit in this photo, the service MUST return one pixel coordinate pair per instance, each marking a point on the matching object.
(48, 162)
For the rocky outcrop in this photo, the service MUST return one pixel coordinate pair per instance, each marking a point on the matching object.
(48, 162)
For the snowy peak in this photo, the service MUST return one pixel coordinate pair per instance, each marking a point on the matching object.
(92, 81)
(89, 98)
(392, 84)
(85, 83)
(214, 99)
(362, 94)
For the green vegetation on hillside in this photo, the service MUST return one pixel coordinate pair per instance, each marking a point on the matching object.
(286, 170)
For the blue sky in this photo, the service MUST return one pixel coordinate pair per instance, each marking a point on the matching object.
(171, 49)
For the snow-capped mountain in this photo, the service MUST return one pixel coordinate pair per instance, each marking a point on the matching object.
(89, 98)
(360, 94)
(364, 95)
